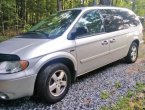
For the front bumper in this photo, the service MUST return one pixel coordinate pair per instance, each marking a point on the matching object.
(16, 88)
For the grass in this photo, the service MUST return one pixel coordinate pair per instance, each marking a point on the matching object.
(117, 85)
(3, 38)
(104, 95)
(134, 100)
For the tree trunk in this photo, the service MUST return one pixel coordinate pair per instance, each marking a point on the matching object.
(38, 10)
(115, 3)
(47, 8)
(3, 25)
(95, 2)
(82, 2)
(133, 5)
(106, 2)
(59, 5)
(21, 10)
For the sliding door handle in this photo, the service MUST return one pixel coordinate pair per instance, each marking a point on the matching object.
(105, 42)
(112, 40)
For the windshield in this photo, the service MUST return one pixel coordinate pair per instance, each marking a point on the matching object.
(55, 25)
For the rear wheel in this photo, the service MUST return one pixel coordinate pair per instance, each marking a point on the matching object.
(132, 54)
(53, 82)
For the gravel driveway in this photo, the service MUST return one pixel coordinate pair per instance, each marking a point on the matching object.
(85, 93)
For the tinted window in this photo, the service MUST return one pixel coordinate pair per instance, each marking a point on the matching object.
(129, 19)
(90, 23)
(115, 19)
(112, 20)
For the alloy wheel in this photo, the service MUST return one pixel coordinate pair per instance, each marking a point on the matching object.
(58, 83)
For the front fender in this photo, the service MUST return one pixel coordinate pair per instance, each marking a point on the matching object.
(53, 56)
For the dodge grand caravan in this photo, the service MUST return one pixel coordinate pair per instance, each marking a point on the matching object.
(47, 58)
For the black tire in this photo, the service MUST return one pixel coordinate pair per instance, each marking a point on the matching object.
(132, 58)
(45, 78)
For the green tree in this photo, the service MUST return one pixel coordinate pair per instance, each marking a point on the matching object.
(23, 13)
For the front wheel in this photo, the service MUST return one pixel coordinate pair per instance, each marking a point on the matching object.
(53, 82)
(132, 53)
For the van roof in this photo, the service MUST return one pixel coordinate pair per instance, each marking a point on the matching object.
(98, 7)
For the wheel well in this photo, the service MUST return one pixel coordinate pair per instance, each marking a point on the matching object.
(66, 62)
(136, 41)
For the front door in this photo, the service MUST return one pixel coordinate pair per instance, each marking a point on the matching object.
(92, 45)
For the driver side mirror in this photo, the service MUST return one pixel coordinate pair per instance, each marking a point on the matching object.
(72, 36)
(79, 32)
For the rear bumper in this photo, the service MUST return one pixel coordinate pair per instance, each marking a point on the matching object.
(16, 88)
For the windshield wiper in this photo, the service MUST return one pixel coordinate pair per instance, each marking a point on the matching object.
(42, 32)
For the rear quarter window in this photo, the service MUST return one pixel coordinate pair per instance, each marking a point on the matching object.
(129, 19)
(115, 19)
(112, 21)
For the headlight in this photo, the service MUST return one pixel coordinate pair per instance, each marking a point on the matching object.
(13, 66)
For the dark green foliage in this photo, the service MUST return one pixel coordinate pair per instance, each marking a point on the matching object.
(15, 15)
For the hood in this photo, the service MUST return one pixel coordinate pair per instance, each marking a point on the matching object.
(20, 45)
(29, 48)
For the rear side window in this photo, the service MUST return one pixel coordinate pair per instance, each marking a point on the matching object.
(115, 19)
(129, 19)
(112, 20)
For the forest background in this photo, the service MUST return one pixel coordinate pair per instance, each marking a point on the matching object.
(17, 16)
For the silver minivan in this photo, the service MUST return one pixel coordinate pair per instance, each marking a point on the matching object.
(47, 59)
